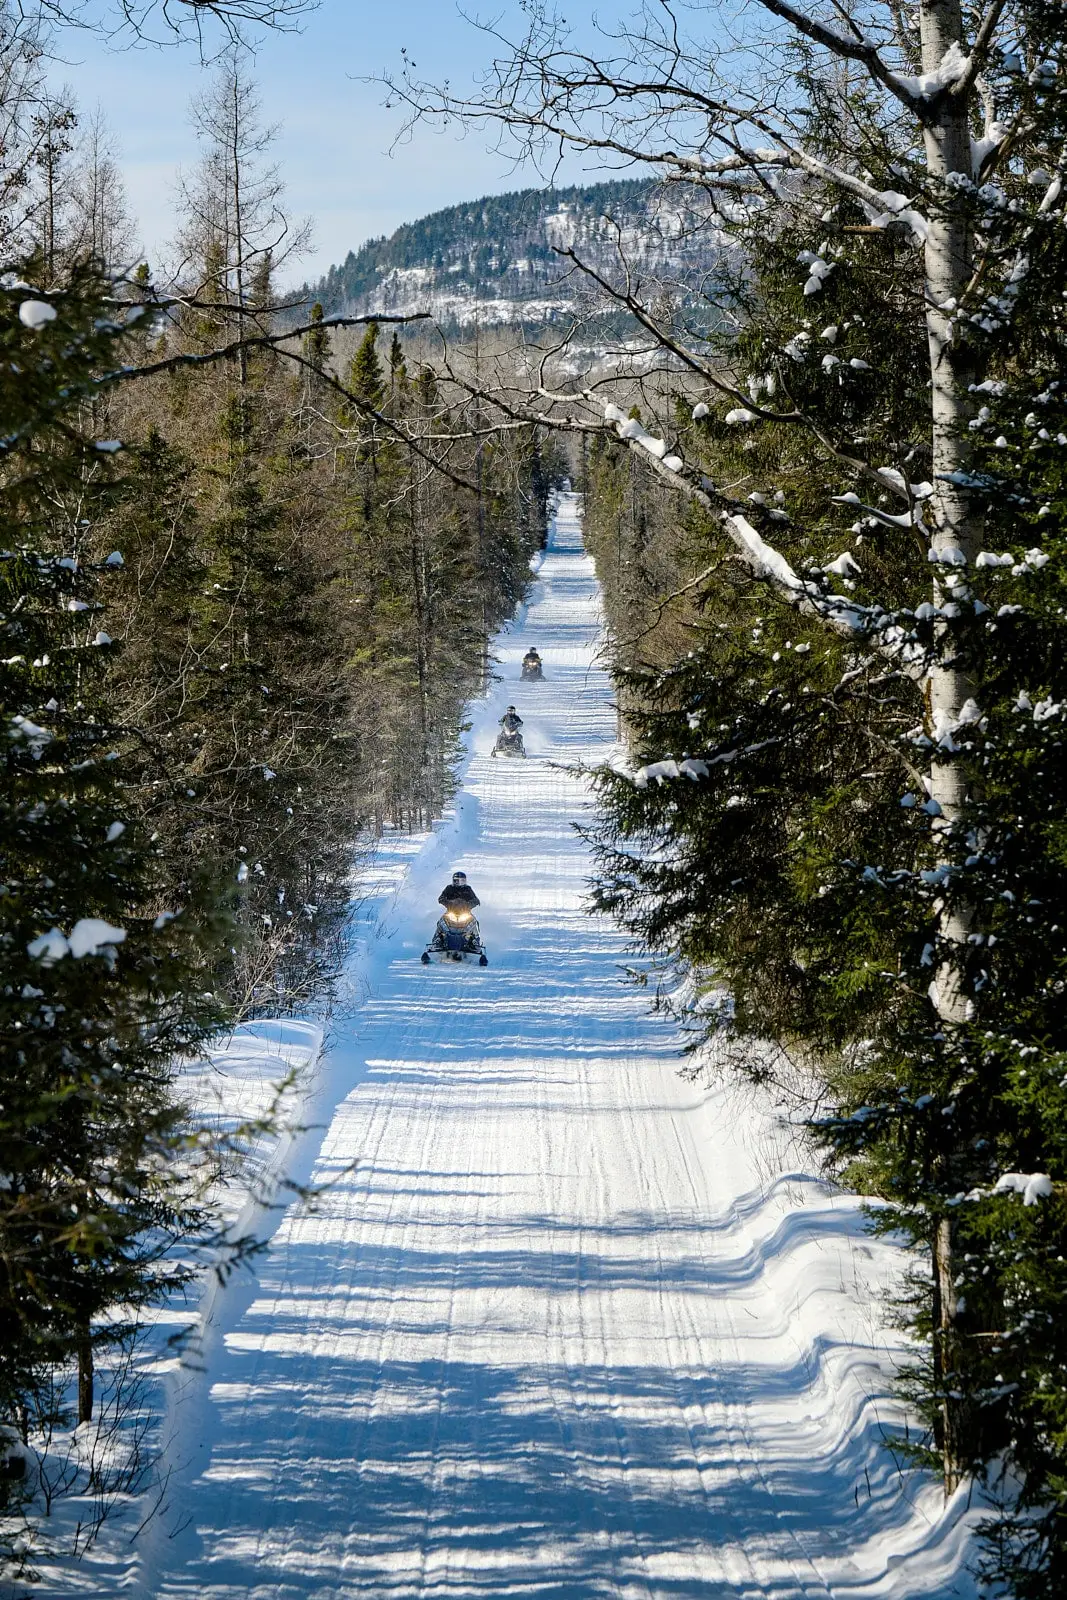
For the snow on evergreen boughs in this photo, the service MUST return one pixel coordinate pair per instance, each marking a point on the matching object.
(917, 946)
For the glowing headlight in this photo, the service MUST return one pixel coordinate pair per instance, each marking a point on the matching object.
(459, 919)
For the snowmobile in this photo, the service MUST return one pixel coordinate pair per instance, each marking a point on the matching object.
(509, 744)
(457, 937)
(509, 739)
(532, 671)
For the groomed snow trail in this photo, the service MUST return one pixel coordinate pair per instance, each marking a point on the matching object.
(569, 1328)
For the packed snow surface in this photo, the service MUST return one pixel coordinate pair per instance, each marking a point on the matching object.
(564, 1325)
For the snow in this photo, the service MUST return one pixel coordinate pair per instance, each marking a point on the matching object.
(948, 555)
(1033, 1186)
(660, 770)
(36, 314)
(769, 559)
(989, 558)
(30, 732)
(562, 1324)
(818, 270)
(981, 149)
(897, 207)
(893, 200)
(953, 66)
(630, 429)
(739, 415)
(48, 947)
(91, 936)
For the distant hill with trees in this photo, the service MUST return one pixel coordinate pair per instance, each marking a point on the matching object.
(498, 259)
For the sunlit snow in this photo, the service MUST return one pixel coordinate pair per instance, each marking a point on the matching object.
(562, 1325)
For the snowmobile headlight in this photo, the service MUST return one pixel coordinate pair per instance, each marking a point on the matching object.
(459, 919)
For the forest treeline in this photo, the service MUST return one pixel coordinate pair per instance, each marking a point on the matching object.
(241, 614)
(305, 604)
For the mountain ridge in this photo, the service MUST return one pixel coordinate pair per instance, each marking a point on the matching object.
(500, 260)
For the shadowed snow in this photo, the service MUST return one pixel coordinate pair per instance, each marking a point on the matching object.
(571, 1327)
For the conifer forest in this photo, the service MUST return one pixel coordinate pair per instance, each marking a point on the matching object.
(711, 1242)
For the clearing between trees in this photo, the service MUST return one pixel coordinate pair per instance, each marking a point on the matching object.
(570, 1325)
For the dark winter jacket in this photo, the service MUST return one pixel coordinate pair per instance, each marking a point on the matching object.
(511, 721)
(458, 894)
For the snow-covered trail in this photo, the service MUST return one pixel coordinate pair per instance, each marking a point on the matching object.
(566, 1330)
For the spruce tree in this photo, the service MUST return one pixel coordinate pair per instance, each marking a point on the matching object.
(106, 981)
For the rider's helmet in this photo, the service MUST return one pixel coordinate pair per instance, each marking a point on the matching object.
(510, 708)
(459, 877)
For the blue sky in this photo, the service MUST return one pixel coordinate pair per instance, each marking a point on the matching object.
(335, 134)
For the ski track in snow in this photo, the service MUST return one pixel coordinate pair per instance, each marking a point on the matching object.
(571, 1327)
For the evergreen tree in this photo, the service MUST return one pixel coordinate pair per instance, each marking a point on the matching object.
(365, 377)
(316, 343)
(107, 982)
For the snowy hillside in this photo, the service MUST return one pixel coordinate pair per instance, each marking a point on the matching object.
(563, 1325)
(496, 260)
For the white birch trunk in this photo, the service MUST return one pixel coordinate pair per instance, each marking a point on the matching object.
(949, 253)
(956, 524)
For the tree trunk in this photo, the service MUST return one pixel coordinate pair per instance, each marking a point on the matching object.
(85, 1376)
(956, 527)
(418, 567)
(946, 1363)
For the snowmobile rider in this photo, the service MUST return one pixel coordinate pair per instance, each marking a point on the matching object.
(458, 893)
(531, 658)
(511, 722)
